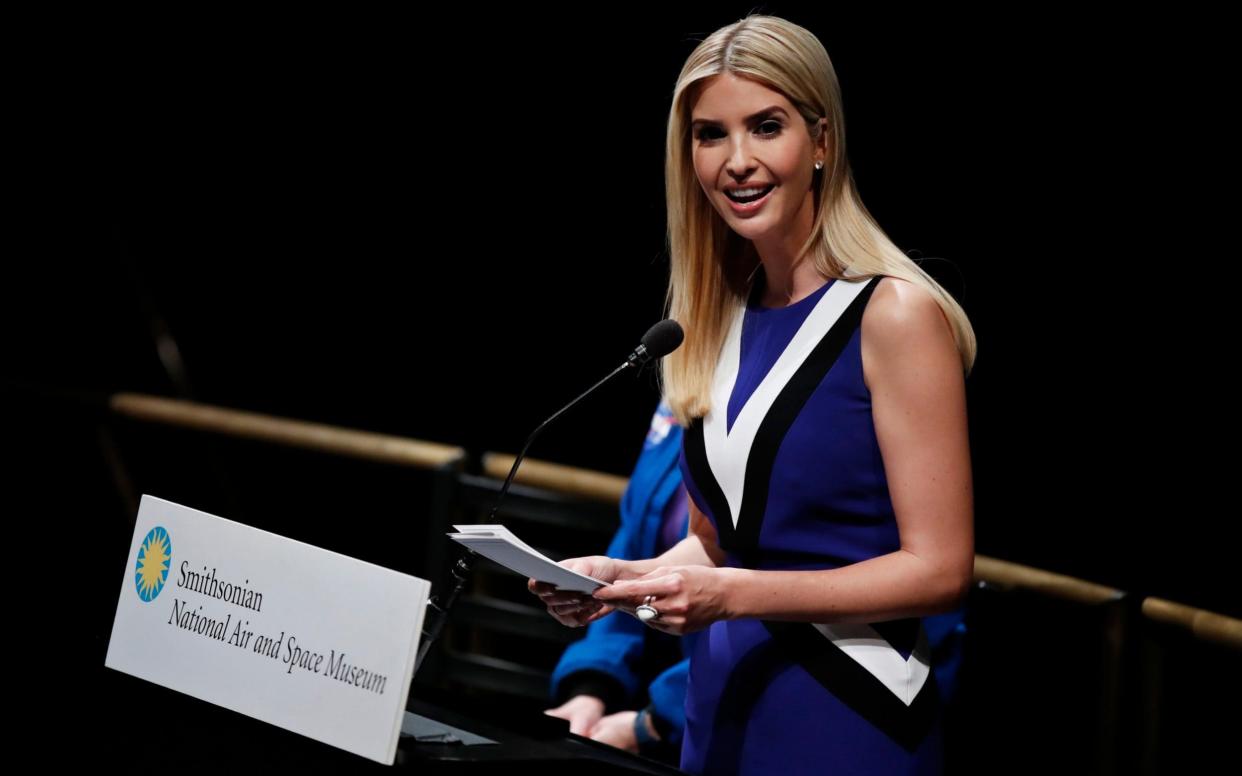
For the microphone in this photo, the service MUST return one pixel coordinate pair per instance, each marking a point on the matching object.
(660, 340)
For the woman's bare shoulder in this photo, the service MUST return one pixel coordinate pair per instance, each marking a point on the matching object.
(896, 302)
(901, 318)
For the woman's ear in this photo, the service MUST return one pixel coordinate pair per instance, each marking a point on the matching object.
(821, 140)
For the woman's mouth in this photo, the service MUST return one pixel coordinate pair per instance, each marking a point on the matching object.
(749, 200)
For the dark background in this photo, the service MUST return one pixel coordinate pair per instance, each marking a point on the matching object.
(448, 225)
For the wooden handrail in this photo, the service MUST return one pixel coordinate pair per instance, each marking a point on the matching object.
(1205, 625)
(1007, 574)
(599, 486)
(1202, 624)
(383, 448)
(586, 483)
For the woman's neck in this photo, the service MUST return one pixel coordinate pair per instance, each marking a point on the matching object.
(788, 279)
(785, 285)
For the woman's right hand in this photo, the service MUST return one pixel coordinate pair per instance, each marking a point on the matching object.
(572, 608)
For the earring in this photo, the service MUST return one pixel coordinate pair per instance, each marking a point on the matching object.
(819, 165)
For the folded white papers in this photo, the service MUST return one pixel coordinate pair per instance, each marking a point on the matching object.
(501, 545)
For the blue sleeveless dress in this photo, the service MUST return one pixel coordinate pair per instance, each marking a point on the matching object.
(788, 469)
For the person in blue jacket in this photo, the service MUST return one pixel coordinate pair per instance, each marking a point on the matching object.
(624, 683)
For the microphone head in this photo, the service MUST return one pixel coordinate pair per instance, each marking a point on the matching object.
(663, 338)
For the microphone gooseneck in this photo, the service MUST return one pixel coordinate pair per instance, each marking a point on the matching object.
(660, 340)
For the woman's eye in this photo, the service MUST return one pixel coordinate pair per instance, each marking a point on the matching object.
(776, 127)
(766, 129)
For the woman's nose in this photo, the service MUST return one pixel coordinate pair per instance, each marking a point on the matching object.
(739, 163)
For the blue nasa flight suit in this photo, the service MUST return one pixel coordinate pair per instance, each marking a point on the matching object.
(621, 660)
(627, 664)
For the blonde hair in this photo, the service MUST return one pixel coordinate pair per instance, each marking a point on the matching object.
(711, 265)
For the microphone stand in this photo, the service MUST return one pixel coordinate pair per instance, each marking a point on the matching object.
(437, 611)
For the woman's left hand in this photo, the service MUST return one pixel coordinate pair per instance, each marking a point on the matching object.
(688, 598)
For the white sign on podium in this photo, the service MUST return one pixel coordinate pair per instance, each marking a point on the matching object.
(311, 640)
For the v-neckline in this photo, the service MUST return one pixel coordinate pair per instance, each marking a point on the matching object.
(728, 446)
(734, 344)
(774, 316)
(753, 298)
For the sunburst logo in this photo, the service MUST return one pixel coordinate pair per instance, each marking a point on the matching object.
(154, 560)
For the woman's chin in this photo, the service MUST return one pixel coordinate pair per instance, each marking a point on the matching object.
(750, 228)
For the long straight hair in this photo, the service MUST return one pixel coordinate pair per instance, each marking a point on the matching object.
(711, 266)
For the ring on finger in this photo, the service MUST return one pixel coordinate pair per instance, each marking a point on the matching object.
(646, 612)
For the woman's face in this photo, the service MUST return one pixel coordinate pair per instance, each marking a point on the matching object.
(738, 144)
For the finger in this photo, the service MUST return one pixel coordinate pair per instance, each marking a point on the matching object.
(572, 617)
(604, 611)
(634, 590)
(560, 599)
(540, 588)
(580, 619)
(576, 605)
(579, 612)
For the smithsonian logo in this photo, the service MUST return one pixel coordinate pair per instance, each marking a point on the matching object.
(154, 560)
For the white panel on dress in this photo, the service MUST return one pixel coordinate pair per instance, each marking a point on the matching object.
(729, 449)
(873, 652)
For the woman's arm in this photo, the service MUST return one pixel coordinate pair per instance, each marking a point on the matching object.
(915, 376)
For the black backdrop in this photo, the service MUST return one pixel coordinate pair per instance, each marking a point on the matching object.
(449, 224)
